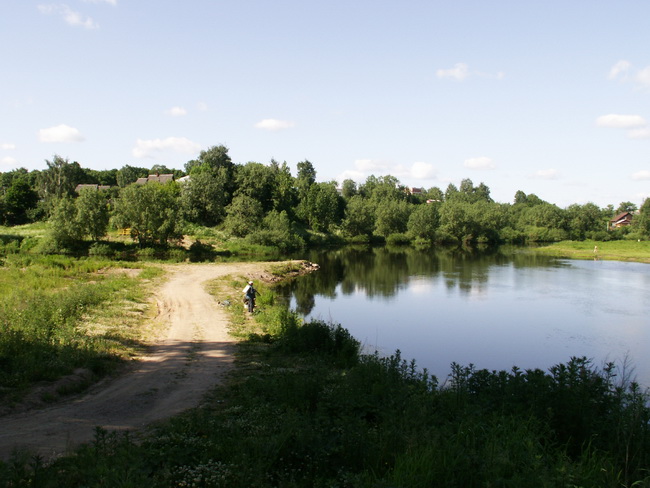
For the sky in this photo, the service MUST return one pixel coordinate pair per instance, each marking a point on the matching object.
(550, 98)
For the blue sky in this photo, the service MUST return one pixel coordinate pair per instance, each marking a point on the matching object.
(551, 98)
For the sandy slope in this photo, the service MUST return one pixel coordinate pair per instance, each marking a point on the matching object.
(193, 356)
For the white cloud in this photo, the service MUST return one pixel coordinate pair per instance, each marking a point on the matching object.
(618, 121)
(365, 167)
(60, 133)
(7, 146)
(202, 106)
(8, 161)
(71, 17)
(274, 124)
(370, 165)
(641, 175)
(643, 76)
(459, 72)
(177, 111)
(358, 176)
(641, 133)
(547, 174)
(147, 148)
(423, 171)
(620, 67)
(479, 163)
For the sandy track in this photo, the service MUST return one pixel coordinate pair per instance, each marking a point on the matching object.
(193, 357)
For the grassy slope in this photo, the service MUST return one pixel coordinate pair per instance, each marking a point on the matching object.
(611, 250)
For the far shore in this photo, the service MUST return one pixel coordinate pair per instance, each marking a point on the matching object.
(635, 251)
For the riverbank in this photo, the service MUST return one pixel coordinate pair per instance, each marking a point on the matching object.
(303, 408)
(637, 251)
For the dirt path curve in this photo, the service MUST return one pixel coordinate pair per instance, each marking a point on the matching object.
(193, 356)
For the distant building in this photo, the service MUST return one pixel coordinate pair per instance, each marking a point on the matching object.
(621, 220)
(157, 178)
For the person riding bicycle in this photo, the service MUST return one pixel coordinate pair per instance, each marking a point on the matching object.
(249, 295)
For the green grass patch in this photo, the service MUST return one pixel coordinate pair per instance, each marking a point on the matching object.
(59, 314)
(638, 251)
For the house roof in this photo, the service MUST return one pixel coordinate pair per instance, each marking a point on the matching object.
(157, 178)
(622, 216)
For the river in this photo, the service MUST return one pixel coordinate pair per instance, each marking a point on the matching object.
(495, 309)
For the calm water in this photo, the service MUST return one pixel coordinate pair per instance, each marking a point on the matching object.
(494, 310)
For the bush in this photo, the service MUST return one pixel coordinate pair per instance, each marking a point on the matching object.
(101, 249)
(398, 239)
(359, 239)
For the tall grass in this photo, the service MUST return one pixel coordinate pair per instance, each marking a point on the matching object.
(44, 300)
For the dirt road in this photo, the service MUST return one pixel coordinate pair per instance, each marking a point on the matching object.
(193, 356)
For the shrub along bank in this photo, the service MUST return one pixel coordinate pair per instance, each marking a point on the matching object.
(306, 409)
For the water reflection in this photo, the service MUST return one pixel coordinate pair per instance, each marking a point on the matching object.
(496, 308)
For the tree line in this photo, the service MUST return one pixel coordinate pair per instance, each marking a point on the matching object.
(267, 205)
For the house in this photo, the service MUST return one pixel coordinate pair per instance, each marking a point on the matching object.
(621, 220)
(157, 178)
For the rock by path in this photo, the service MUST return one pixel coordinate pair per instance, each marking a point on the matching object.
(189, 360)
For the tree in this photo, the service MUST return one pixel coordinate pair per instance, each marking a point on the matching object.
(65, 230)
(456, 220)
(348, 189)
(305, 177)
(243, 216)
(213, 158)
(203, 197)
(626, 207)
(321, 206)
(451, 192)
(392, 217)
(256, 181)
(424, 221)
(151, 211)
(61, 178)
(92, 213)
(584, 218)
(436, 194)
(129, 174)
(359, 217)
(284, 193)
(18, 200)
(641, 222)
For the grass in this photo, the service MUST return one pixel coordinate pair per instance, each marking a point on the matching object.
(638, 251)
(60, 314)
(305, 409)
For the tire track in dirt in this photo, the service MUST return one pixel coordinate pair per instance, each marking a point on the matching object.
(193, 356)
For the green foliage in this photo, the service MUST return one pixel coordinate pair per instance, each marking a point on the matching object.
(321, 206)
(204, 196)
(398, 239)
(19, 199)
(129, 174)
(359, 217)
(65, 227)
(424, 221)
(92, 213)
(43, 301)
(392, 217)
(151, 211)
(641, 222)
(278, 232)
(243, 216)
